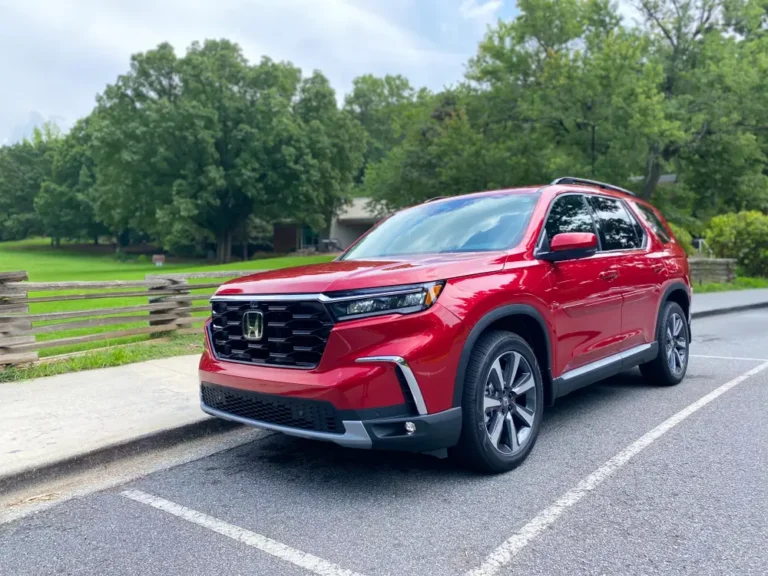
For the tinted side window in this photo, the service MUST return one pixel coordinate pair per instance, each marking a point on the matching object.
(653, 221)
(569, 214)
(618, 230)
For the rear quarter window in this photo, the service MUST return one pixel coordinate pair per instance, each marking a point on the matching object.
(654, 222)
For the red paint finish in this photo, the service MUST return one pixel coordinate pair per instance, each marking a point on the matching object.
(592, 307)
(573, 241)
(356, 274)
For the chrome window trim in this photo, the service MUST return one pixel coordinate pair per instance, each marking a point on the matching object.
(355, 435)
(410, 378)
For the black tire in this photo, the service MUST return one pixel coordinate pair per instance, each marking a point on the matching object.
(476, 446)
(671, 363)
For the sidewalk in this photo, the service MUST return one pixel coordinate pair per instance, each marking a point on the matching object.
(50, 426)
(61, 418)
(727, 302)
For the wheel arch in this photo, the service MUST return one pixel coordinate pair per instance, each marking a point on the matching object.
(676, 292)
(528, 323)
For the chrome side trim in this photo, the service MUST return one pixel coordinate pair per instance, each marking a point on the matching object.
(356, 436)
(637, 351)
(602, 363)
(410, 378)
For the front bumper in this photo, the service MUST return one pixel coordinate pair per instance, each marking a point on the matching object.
(432, 431)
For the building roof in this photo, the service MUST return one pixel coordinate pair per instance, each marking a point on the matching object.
(358, 209)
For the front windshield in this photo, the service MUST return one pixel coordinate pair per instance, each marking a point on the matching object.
(480, 223)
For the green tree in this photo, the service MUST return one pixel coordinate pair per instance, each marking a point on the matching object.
(23, 168)
(714, 90)
(335, 145)
(575, 84)
(382, 107)
(189, 149)
(65, 202)
(442, 155)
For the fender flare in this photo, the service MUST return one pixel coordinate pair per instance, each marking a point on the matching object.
(479, 328)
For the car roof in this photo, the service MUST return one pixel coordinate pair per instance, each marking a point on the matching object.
(557, 188)
(550, 190)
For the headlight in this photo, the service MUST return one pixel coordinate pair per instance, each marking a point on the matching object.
(393, 300)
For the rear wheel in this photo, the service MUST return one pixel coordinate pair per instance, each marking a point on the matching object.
(502, 404)
(671, 363)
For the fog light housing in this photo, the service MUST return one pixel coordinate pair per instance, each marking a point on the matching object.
(410, 428)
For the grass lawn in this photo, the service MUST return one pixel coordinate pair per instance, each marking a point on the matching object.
(44, 263)
(106, 357)
(741, 283)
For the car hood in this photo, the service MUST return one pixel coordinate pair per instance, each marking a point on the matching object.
(356, 274)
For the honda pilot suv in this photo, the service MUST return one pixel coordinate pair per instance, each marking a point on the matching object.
(452, 324)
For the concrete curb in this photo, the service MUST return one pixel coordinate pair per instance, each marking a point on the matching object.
(160, 439)
(730, 310)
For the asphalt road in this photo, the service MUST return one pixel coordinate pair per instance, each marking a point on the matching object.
(626, 478)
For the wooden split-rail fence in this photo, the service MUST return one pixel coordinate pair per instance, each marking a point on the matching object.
(160, 305)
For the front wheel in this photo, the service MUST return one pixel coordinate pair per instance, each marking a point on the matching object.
(671, 363)
(502, 403)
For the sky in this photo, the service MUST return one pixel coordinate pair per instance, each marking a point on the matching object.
(56, 55)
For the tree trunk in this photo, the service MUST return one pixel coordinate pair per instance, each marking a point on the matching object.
(220, 249)
(96, 240)
(123, 239)
(224, 247)
(57, 242)
(652, 175)
(245, 241)
(228, 249)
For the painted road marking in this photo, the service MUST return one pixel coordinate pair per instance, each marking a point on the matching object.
(510, 548)
(301, 559)
(729, 358)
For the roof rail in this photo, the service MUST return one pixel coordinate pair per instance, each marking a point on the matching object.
(428, 200)
(585, 182)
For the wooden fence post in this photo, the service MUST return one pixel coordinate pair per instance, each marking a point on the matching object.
(15, 325)
(178, 306)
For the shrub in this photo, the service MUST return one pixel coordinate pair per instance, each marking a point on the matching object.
(743, 236)
(683, 238)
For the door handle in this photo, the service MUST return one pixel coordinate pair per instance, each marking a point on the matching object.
(608, 275)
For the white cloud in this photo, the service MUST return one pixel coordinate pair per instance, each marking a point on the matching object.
(56, 56)
(478, 10)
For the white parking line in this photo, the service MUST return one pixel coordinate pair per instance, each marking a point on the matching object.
(504, 554)
(729, 358)
(302, 559)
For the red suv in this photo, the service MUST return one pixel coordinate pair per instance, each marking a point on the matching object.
(451, 324)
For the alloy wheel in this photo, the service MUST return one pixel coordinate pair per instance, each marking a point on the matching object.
(509, 404)
(676, 345)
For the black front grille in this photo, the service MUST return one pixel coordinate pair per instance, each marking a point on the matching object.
(292, 412)
(295, 332)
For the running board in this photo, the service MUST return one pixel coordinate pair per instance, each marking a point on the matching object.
(601, 369)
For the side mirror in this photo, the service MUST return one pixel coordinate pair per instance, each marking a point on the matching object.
(570, 246)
